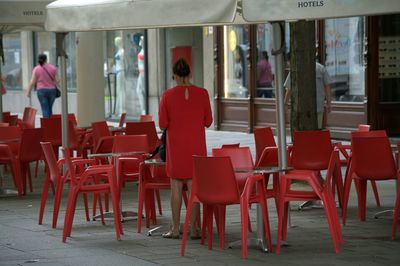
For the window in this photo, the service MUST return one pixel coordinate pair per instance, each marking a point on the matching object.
(265, 62)
(344, 47)
(235, 61)
(125, 73)
(11, 71)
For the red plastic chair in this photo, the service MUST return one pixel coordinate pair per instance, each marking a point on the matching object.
(153, 177)
(214, 183)
(241, 159)
(87, 183)
(370, 146)
(312, 152)
(127, 167)
(102, 138)
(30, 151)
(56, 178)
(8, 158)
(28, 118)
(11, 136)
(145, 118)
(267, 156)
(71, 117)
(144, 128)
(52, 132)
(345, 150)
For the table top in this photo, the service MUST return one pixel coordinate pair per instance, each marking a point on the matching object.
(154, 162)
(7, 141)
(112, 154)
(262, 170)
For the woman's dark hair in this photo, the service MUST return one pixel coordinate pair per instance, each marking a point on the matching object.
(181, 68)
(265, 54)
(42, 59)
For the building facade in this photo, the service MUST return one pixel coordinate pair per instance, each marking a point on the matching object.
(128, 71)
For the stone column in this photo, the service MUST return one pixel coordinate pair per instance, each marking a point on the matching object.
(90, 77)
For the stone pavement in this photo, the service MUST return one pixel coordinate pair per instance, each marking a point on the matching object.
(23, 241)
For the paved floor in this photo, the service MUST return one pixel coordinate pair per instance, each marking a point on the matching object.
(23, 241)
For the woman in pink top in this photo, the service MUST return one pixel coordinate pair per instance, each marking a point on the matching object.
(185, 111)
(44, 77)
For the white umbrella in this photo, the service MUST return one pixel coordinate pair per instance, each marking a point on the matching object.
(278, 10)
(89, 15)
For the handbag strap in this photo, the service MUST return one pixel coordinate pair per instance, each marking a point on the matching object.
(48, 73)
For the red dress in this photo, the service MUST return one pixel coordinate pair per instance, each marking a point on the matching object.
(185, 111)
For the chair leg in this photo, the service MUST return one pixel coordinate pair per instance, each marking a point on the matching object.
(36, 169)
(57, 201)
(186, 226)
(140, 208)
(362, 200)
(376, 194)
(267, 229)
(328, 207)
(28, 171)
(209, 221)
(44, 198)
(396, 212)
(244, 217)
(116, 210)
(85, 203)
(346, 194)
(158, 201)
(68, 213)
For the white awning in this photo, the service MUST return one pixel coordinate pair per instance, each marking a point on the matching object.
(89, 15)
(276, 10)
(23, 14)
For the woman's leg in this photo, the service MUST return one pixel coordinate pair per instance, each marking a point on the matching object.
(44, 103)
(176, 202)
(195, 210)
(51, 98)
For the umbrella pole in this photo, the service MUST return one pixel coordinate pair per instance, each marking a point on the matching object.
(278, 50)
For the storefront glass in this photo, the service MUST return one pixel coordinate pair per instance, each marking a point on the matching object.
(265, 62)
(125, 73)
(45, 42)
(11, 70)
(344, 58)
(236, 46)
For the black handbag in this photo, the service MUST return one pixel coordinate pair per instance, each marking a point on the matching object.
(162, 149)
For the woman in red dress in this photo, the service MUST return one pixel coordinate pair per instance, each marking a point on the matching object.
(185, 111)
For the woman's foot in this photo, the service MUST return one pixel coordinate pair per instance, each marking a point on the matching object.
(195, 233)
(171, 234)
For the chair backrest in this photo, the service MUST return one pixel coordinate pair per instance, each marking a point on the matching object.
(12, 120)
(10, 133)
(369, 134)
(230, 145)
(70, 168)
(51, 129)
(214, 180)
(362, 127)
(71, 117)
(311, 150)
(99, 129)
(372, 157)
(30, 149)
(130, 143)
(263, 137)
(30, 120)
(144, 128)
(145, 118)
(240, 157)
(51, 161)
(122, 119)
(25, 114)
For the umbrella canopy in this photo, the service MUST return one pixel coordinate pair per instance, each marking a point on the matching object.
(90, 15)
(22, 14)
(276, 10)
